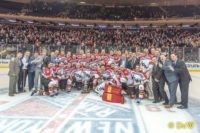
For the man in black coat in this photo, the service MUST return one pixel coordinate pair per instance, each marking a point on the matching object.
(184, 79)
(158, 83)
(20, 77)
(46, 59)
(123, 61)
(171, 79)
(133, 61)
(31, 71)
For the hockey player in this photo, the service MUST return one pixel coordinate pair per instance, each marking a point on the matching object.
(87, 79)
(123, 72)
(107, 77)
(95, 72)
(61, 75)
(61, 57)
(54, 80)
(145, 63)
(139, 80)
(78, 76)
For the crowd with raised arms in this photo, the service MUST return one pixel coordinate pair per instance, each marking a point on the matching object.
(136, 73)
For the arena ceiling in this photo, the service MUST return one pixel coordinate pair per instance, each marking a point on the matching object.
(122, 2)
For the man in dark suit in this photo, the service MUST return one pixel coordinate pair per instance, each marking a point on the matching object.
(24, 60)
(20, 76)
(171, 78)
(133, 61)
(31, 71)
(46, 59)
(158, 83)
(161, 82)
(184, 79)
(123, 61)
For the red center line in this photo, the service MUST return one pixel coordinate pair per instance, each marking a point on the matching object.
(63, 115)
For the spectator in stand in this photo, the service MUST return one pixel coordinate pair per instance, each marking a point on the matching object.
(123, 39)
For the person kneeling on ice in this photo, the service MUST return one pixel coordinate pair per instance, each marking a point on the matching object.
(139, 80)
(78, 77)
(62, 76)
(109, 78)
(48, 81)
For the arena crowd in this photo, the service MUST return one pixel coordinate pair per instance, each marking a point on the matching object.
(24, 36)
(154, 37)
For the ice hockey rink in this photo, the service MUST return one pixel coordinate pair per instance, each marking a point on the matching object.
(87, 113)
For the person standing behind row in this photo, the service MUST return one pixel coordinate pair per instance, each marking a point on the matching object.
(123, 61)
(184, 79)
(14, 70)
(23, 72)
(133, 61)
(171, 78)
(52, 58)
(38, 61)
(158, 83)
(31, 71)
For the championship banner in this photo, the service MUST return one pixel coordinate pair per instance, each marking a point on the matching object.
(193, 67)
(114, 98)
(113, 89)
